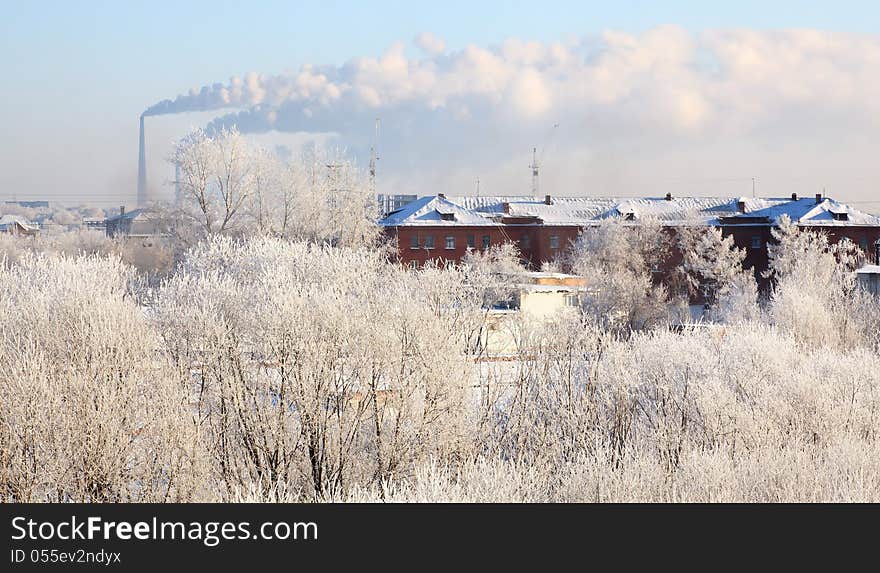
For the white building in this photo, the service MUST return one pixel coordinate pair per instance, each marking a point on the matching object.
(540, 297)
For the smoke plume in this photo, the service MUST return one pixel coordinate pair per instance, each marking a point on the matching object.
(662, 89)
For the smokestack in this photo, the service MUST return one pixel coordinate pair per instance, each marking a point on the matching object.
(142, 169)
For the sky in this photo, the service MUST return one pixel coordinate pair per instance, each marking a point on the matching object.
(692, 98)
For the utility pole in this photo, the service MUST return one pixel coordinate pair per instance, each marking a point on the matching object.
(478, 186)
(374, 157)
(534, 167)
(384, 202)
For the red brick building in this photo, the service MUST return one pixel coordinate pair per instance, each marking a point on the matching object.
(444, 228)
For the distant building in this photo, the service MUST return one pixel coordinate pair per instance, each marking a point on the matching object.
(444, 228)
(17, 225)
(95, 223)
(140, 223)
(543, 294)
(30, 204)
(540, 296)
(390, 203)
(869, 278)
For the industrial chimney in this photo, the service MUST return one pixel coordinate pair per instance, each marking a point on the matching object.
(142, 169)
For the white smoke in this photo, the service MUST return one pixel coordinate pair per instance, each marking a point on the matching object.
(478, 105)
(667, 75)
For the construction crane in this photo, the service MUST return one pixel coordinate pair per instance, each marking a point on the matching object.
(537, 159)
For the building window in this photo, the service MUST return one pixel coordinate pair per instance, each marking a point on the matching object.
(554, 241)
(450, 242)
(485, 241)
(572, 300)
(471, 241)
(414, 265)
(429, 241)
(525, 242)
(863, 244)
(414, 242)
(757, 243)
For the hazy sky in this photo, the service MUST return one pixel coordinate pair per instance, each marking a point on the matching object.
(649, 96)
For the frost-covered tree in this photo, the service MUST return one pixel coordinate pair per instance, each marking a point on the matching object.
(495, 272)
(332, 202)
(814, 285)
(215, 180)
(230, 186)
(618, 260)
(314, 367)
(712, 268)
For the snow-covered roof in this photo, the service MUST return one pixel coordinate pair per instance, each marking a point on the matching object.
(143, 213)
(542, 288)
(7, 221)
(435, 210)
(826, 212)
(869, 270)
(462, 210)
(550, 275)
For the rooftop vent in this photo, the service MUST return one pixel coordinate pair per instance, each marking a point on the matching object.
(669, 196)
(547, 200)
(506, 207)
(741, 206)
(441, 195)
(794, 197)
(818, 198)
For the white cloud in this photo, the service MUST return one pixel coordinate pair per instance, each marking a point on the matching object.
(430, 44)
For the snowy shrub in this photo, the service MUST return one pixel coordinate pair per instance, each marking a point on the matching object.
(266, 369)
(313, 367)
(88, 410)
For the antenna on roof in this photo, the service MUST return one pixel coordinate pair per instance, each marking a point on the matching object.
(538, 159)
(754, 180)
(478, 186)
(534, 168)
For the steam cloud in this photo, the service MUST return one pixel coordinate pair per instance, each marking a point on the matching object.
(477, 104)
